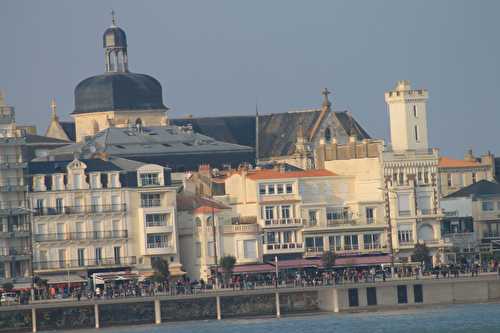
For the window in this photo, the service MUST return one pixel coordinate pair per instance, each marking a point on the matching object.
(279, 188)
(269, 211)
(59, 205)
(115, 203)
(404, 204)
(314, 243)
(156, 241)
(148, 179)
(335, 242)
(351, 242)
(328, 135)
(95, 204)
(405, 236)
(156, 220)
(62, 258)
(458, 179)
(289, 188)
(60, 231)
(313, 217)
(150, 200)
(416, 132)
(117, 254)
(419, 177)
(370, 216)
(270, 237)
(338, 213)
(426, 177)
(114, 180)
(262, 189)
(198, 249)
(250, 248)
(488, 206)
(94, 180)
(81, 257)
(448, 179)
(285, 212)
(76, 181)
(424, 204)
(371, 241)
(401, 179)
(210, 248)
(98, 255)
(270, 189)
(415, 111)
(474, 177)
(39, 205)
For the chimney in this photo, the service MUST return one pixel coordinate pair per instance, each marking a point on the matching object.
(469, 156)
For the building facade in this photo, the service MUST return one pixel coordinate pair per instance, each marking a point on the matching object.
(100, 215)
(15, 216)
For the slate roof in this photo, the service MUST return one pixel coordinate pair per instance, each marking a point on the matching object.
(40, 139)
(176, 147)
(94, 164)
(277, 132)
(479, 189)
(69, 128)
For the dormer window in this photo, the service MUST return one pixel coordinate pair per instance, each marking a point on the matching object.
(114, 180)
(94, 180)
(39, 183)
(149, 179)
(77, 178)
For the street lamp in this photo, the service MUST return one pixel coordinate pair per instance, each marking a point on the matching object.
(389, 221)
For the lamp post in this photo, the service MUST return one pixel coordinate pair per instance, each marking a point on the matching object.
(389, 222)
(214, 233)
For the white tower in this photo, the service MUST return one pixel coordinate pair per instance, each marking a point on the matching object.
(408, 117)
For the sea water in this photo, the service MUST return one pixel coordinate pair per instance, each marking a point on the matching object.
(480, 318)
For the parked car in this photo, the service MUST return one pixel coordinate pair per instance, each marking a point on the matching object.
(9, 298)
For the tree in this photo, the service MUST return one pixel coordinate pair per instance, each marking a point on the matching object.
(328, 260)
(227, 263)
(7, 286)
(421, 254)
(160, 267)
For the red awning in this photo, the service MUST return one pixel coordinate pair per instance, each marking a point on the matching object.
(297, 263)
(257, 268)
(363, 260)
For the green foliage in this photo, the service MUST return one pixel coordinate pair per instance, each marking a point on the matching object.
(227, 263)
(7, 286)
(421, 253)
(328, 259)
(160, 267)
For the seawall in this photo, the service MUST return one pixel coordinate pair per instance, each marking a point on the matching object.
(67, 315)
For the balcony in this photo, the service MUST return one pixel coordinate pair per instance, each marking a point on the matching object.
(284, 223)
(342, 222)
(406, 243)
(86, 263)
(241, 228)
(71, 210)
(314, 251)
(277, 248)
(158, 248)
(90, 235)
(11, 251)
(491, 235)
(404, 213)
(149, 203)
(459, 237)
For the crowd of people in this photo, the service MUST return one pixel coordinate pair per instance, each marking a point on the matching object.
(290, 278)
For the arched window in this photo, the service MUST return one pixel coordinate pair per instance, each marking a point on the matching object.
(328, 135)
(426, 233)
(209, 221)
(197, 222)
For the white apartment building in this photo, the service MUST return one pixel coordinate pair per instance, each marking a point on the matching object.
(102, 214)
(15, 247)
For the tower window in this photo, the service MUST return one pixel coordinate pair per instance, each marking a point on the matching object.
(328, 135)
(415, 111)
(416, 133)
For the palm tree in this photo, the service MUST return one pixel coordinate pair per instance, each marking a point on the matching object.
(328, 260)
(160, 267)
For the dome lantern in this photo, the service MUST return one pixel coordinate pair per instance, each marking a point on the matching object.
(115, 47)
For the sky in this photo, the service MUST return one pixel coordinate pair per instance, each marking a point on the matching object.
(225, 57)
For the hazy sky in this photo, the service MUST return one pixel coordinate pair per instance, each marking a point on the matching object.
(219, 57)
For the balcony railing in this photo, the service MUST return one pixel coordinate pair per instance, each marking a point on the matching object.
(283, 246)
(410, 242)
(89, 235)
(284, 222)
(147, 203)
(243, 228)
(84, 263)
(404, 213)
(158, 245)
(68, 210)
(341, 222)
(11, 251)
(491, 235)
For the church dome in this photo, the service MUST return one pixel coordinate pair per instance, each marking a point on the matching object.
(114, 37)
(118, 91)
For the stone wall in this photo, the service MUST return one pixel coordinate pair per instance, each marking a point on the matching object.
(251, 305)
(126, 314)
(65, 318)
(299, 302)
(15, 321)
(192, 309)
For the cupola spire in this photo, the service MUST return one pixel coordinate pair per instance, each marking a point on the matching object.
(115, 47)
(53, 109)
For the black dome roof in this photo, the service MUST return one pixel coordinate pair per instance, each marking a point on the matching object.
(118, 91)
(114, 37)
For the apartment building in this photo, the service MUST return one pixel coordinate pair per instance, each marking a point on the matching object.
(101, 214)
(15, 236)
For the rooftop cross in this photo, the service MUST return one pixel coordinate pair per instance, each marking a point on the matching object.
(113, 17)
(326, 101)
